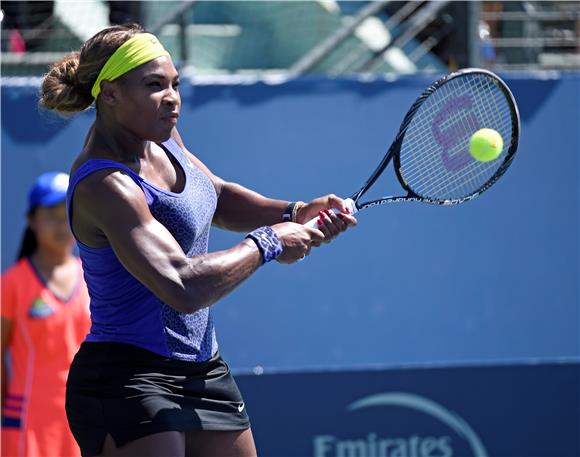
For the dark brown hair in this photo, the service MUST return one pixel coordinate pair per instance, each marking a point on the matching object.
(28, 245)
(66, 88)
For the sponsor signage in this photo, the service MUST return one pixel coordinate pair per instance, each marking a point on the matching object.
(485, 411)
(428, 417)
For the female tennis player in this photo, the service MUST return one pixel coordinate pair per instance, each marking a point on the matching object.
(45, 317)
(149, 380)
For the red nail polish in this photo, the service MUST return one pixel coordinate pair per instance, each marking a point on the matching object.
(319, 222)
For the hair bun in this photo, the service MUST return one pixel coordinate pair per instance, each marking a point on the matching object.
(66, 88)
(61, 91)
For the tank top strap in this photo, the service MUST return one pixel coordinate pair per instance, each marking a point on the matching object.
(176, 151)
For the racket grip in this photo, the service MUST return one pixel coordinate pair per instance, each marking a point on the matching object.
(312, 223)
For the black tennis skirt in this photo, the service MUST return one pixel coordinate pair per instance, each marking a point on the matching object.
(130, 393)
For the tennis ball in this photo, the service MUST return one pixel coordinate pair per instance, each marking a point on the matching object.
(486, 145)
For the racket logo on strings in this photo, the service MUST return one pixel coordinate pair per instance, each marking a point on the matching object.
(456, 131)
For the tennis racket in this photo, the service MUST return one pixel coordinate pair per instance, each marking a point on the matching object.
(431, 150)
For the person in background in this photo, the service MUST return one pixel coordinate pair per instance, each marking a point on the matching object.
(45, 317)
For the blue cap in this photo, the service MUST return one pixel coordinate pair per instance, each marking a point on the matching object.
(49, 189)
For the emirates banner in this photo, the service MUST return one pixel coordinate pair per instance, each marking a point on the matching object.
(485, 411)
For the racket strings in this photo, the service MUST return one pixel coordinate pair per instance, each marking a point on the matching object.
(435, 160)
(459, 126)
(474, 175)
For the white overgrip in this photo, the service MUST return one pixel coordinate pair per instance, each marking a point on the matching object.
(312, 223)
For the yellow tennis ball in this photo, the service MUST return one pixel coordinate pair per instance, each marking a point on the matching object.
(486, 145)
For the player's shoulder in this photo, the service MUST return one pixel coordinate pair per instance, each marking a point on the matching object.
(96, 177)
(104, 201)
(19, 272)
(107, 197)
(107, 186)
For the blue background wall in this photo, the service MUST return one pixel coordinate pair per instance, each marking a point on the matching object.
(493, 280)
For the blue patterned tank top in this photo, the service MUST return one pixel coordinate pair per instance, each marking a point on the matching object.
(122, 309)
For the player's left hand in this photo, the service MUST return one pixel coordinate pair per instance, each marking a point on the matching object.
(329, 222)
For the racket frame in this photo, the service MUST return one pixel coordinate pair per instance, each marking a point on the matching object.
(394, 150)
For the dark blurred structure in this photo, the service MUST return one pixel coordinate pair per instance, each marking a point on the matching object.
(447, 35)
(533, 34)
(123, 12)
(298, 37)
(27, 24)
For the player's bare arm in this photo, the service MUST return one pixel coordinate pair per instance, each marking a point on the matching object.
(119, 216)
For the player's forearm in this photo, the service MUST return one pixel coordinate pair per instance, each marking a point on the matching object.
(242, 210)
(205, 279)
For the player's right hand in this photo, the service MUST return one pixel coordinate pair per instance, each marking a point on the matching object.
(297, 241)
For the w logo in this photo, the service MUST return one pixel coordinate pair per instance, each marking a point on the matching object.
(452, 126)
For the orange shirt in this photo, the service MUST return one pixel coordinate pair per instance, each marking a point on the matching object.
(46, 333)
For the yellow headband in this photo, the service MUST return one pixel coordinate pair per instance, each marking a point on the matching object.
(140, 49)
